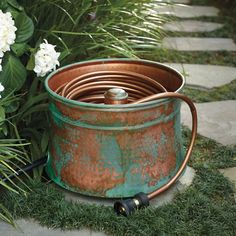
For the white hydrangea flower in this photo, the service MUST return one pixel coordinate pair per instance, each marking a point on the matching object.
(7, 32)
(0, 64)
(1, 89)
(46, 59)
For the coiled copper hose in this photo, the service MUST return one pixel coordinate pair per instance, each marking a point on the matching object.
(91, 87)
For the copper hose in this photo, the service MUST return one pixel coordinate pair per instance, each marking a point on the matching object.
(192, 140)
(91, 87)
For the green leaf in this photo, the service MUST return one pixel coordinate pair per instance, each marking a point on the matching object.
(44, 141)
(15, 4)
(25, 28)
(35, 109)
(2, 114)
(64, 54)
(5, 215)
(4, 129)
(85, 7)
(12, 107)
(34, 100)
(33, 88)
(20, 48)
(14, 12)
(3, 4)
(31, 63)
(8, 187)
(13, 74)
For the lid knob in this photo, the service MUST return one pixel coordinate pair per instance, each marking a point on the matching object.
(116, 96)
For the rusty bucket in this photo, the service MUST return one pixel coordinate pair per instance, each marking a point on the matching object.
(114, 151)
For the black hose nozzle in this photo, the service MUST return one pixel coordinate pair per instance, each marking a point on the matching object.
(128, 206)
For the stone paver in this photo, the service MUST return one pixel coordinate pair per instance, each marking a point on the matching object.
(31, 228)
(180, 1)
(205, 76)
(230, 173)
(199, 44)
(216, 120)
(184, 181)
(185, 11)
(176, 1)
(191, 26)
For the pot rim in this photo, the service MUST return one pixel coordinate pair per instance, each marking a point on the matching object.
(74, 103)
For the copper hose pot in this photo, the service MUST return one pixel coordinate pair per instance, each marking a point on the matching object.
(115, 127)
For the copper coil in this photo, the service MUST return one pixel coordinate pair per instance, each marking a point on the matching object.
(91, 87)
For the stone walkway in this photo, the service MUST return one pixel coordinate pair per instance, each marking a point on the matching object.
(205, 76)
(178, 1)
(230, 173)
(217, 120)
(191, 26)
(32, 228)
(199, 44)
(185, 11)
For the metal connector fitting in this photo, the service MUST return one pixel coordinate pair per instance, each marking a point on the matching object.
(128, 206)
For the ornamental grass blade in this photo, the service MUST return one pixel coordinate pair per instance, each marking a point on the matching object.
(5, 215)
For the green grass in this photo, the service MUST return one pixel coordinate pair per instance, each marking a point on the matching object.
(223, 58)
(210, 154)
(206, 208)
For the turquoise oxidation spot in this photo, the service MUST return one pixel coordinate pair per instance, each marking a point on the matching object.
(110, 153)
(151, 150)
(163, 139)
(131, 179)
(53, 109)
(65, 157)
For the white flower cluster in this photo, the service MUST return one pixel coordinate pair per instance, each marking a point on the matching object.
(0, 64)
(7, 33)
(46, 59)
(1, 89)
